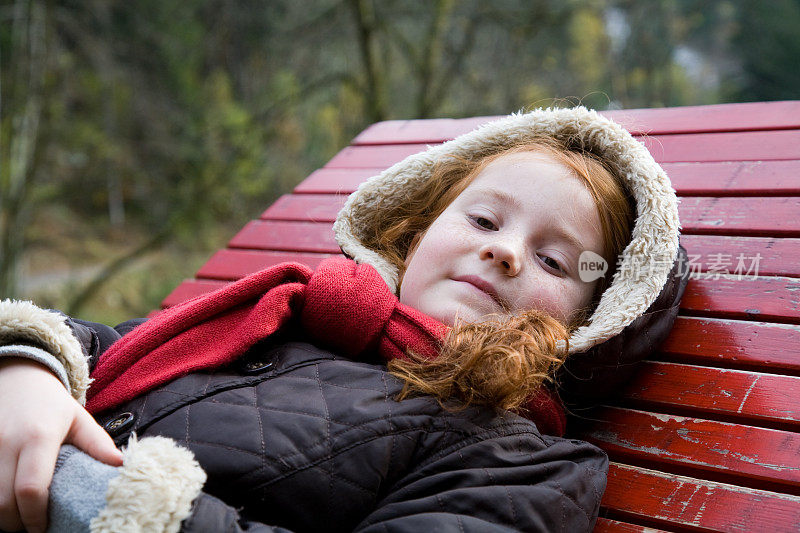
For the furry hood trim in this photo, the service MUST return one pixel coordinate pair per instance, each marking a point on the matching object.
(646, 262)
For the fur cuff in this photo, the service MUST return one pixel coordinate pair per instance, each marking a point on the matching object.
(154, 490)
(22, 322)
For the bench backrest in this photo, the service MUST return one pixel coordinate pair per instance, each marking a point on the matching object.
(707, 436)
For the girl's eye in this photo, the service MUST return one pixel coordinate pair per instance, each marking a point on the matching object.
(552, 263)
(485, 223)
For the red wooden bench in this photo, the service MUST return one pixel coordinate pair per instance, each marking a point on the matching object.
(707, 436)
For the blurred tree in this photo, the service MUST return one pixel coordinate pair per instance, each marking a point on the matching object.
(646, 56)
(364, 17)
(589, 47)
(22, 94)
(767, 41)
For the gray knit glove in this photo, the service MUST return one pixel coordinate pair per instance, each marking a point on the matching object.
(78, 490)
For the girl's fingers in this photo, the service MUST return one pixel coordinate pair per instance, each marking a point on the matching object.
(9, 515)
(35, 468)
(87, 435)
(36, 412)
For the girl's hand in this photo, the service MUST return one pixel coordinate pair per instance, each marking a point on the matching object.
(38, 415)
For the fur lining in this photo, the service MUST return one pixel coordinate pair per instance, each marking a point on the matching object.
(654, 242)
(154, 490)
(22, 321)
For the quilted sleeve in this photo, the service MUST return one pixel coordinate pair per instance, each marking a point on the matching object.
(501, 484)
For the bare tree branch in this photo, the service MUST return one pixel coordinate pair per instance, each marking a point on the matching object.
(431, 55)
(76, 304)
(365, 28)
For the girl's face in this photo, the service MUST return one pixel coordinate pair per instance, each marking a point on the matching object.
(509, 242)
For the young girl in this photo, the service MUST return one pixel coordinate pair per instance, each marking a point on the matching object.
(274, 386)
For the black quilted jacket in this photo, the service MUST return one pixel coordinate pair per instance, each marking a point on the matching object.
(294, 438)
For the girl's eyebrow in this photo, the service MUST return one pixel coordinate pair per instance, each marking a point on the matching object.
(499, 196)
(571, 239)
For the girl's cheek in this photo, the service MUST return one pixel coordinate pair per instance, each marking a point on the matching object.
(555, 300)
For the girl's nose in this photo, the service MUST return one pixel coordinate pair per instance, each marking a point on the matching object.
(504, 254)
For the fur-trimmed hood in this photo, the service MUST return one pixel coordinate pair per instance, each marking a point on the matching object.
(648, 266)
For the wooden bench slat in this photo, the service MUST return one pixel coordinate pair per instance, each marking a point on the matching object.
(235, 264)
(778, 256)
(690, 119)
(191, 288)
(734, 344)
(335, 180)
(733, 146)
(754, 216)
(740, 396)
(382, 156)
(731, 453)
(756, 178)
(433, 130)
(307, 207)
(763, 298)
(710, 118)
(750, 216)
(288, 236)
(670, 501)
(726, 178)
(606, 525)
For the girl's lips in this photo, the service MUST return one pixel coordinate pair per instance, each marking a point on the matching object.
(482, 285)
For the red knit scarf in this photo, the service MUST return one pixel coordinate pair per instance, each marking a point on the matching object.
(342, 306)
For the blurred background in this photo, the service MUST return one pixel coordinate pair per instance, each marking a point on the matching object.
(137, 137)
